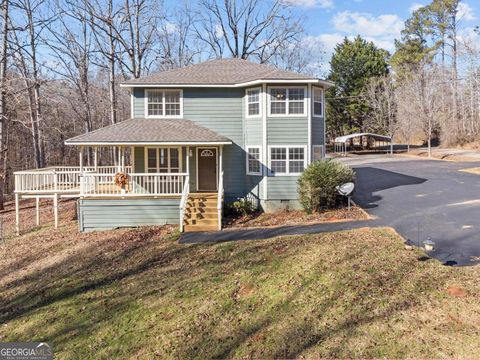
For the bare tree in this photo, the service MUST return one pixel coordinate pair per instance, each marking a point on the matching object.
(247, 28)
(3, 96)
(70, 40)
(176, 38)
(137, 35)
(380, 95)
(25, 40)
(423, 94)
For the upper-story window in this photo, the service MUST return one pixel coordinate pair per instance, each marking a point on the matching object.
(253, 102)
(287, 101)
(317, 101)
(163, 103)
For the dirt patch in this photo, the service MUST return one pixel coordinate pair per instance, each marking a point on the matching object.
(456, 291)
(297, 217)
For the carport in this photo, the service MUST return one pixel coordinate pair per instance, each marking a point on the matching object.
(369, 141)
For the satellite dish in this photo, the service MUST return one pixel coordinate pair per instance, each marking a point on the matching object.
(346, 189)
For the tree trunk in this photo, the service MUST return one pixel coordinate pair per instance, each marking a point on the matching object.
(3, 101)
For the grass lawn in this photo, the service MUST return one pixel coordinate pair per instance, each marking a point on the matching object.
(140, 294)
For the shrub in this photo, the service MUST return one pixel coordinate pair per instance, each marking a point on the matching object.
(242, 207)
(316, 186)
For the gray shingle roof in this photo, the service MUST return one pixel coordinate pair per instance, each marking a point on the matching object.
(218, 72)
(141, 131)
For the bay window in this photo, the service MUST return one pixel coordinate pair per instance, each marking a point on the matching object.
(287, 101)
(253, 161)
(287, 160)
(317, 101)
(253, 102)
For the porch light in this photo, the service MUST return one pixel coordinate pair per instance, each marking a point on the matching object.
(190, 153)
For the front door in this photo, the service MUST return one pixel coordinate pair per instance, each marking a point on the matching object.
(207, 169)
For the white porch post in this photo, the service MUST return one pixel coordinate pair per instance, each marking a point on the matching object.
(17, 213)
(95, 158)
(220, 160)
(55, 209)
(37, 208)
(187, 161)
(80, 161)
(122, 154)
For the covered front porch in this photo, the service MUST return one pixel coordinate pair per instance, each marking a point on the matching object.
(147, 168)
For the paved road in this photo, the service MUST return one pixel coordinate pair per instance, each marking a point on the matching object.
(422, 199)
(419, 198)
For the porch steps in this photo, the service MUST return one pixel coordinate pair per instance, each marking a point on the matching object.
(201, 212)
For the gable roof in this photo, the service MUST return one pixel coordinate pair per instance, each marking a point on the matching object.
(150, 131)
(221, 72)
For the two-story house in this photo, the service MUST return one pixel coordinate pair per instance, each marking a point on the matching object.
(200, 136)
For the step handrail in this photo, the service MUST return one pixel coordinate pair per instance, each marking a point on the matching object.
(220, 200)
(183, 200)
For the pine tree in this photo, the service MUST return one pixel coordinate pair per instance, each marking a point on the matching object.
(352, 66)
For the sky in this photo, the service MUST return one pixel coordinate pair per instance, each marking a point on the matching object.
(329, 21)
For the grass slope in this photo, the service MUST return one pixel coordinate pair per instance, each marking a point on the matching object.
(140, 294)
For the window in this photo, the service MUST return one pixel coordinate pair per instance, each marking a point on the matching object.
(163, 103)
(287, 101)
(287, 159)
(317, 102)
(253, 102)
(253, 161)
(317, 151)
(162, 160)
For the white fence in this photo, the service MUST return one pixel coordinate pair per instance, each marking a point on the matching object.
(103, 185)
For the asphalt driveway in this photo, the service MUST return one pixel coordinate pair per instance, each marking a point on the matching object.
(420, 198)
(423, 199)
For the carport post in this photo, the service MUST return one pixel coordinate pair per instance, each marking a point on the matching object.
(37, 209)
(17, 213)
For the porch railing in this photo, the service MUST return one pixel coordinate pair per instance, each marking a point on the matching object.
(142, 184)
(57, 179)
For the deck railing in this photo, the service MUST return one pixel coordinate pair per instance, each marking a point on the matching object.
(141, 184)
(58, 179)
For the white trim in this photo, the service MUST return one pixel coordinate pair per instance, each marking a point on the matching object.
(309, 124)
(132, 105)
(322, 101)
(115, 143)
(145, 158)
(248, 147)
(247, 115)
(164, 115)
(264, 142)
(287, 147)
(322, 151)
(326, 84)
(196, 165)
(287, 114)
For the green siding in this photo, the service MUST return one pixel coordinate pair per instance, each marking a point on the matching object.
(318, 131)
(253, 131)
(282, 188)
(139, 160)
(222, 111)
(287, 131)
(138, 103)
(100, 214)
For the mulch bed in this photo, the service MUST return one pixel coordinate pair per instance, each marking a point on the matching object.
(296, 217)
